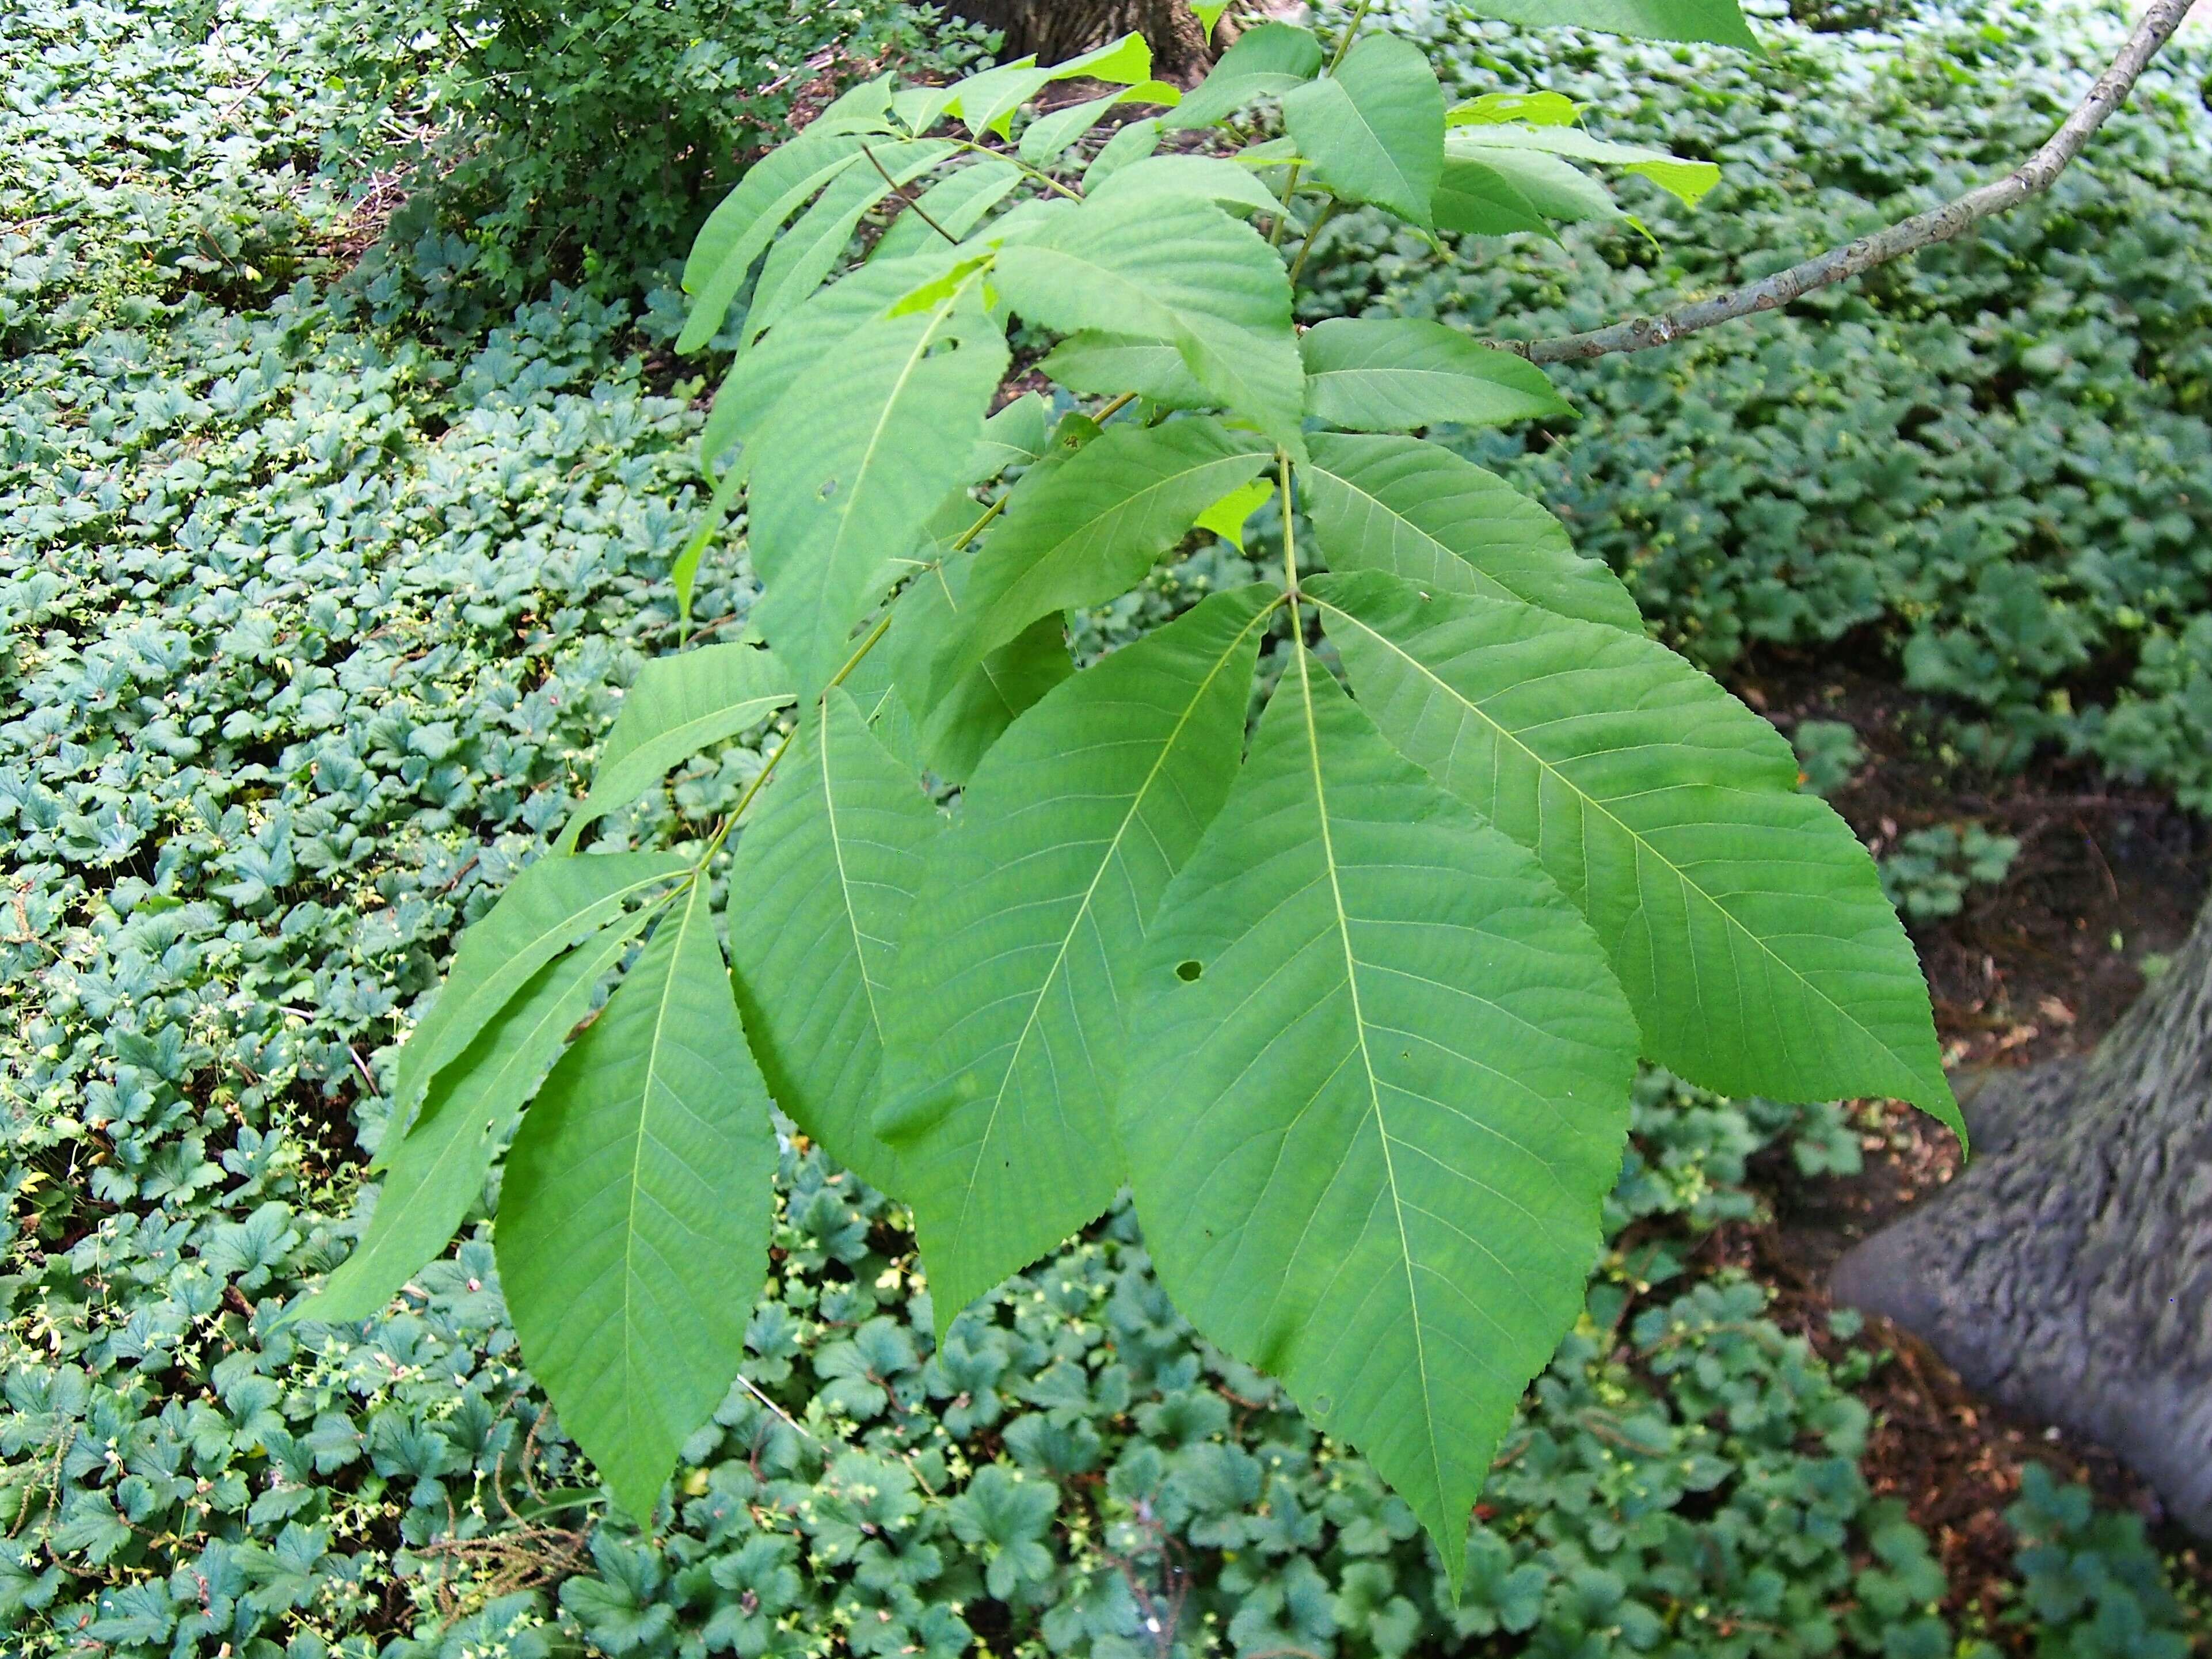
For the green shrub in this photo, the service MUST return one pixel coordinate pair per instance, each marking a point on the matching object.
(1982, 466)
(555, 138)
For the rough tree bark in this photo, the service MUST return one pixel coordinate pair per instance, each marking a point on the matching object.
(2067, 1271)
(1055, 29)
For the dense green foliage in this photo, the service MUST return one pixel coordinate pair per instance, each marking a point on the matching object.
(1983, 465)
(554, 138)
(1349, 998)
(311, 632)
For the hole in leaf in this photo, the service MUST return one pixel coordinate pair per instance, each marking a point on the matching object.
(1188, 972)
(1323, 1404)
(828, 487)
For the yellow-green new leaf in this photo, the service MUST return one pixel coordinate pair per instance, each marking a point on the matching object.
(634, 1218)
(1087, 528)
(680, 705)
(553, 904)
(827, 869)
(1742, 916)
(1391, 374)
(1004, 1047)
(437, 1171)
(1418, 511)
(1379, 1091)
(1374, 126)
(1179, 270)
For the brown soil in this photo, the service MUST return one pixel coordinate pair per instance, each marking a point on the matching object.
(2034, 969)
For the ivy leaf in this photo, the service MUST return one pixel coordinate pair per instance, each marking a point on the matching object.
(633, 1226)
(744, 222)
(1003, 1042)
(679, 705)
(1106, 365)
(1671, 813)
(1380, 1093)
(839, 493)
(553, 904)
(1717, 21)
(1081, 532)
(1390, 374)
(1420, 512)
(1374, 126)
(1263, 63)
(1177, 271)
(437, 1171)
(829, 867)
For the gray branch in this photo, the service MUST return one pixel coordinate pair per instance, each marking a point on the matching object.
(2031, 177)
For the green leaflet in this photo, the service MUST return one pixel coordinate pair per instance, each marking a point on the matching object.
(1003, 1043)
(1671, 814)
(1083, 530)
(954, 731)
(800, 258)
(1106, 365)
(1212, 178)
(1686, 181)
(1049, 137)
(553, 904)
(1553, 190)
(1265, 62)
(1017, 435)
(437, 1171)
(1374, 126)
(1716, 21)
(680, 705)
(777, 379)
(827, 867)
(1474, 200)
(1390, 374)
(1378, 1093)
(1179, 270)
(1535, 109)
(953, 206)
(1128, 144)
(747, 219)
(634, 1218)
(840, 490)
(1420, 512)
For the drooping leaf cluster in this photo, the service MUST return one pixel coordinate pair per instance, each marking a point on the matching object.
(1351, 999)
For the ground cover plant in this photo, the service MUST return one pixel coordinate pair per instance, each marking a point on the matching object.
(397, 585)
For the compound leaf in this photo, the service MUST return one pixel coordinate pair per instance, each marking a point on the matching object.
(633, 1226)
(1393, 374)
(679, 705)
(1379, 1092)
(1420, 512)
(828, 868)
(1003, 1045)
(1743, 918)
(1089, 527)
(1374, 126)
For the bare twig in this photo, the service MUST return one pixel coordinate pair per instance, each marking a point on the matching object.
(2031, 177)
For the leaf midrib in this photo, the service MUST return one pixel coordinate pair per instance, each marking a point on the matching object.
(1367, 1065)
(1603, 811)
(1083, 909)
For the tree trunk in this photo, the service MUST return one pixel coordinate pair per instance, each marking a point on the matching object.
(1058, 29)
(2067, 1271)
